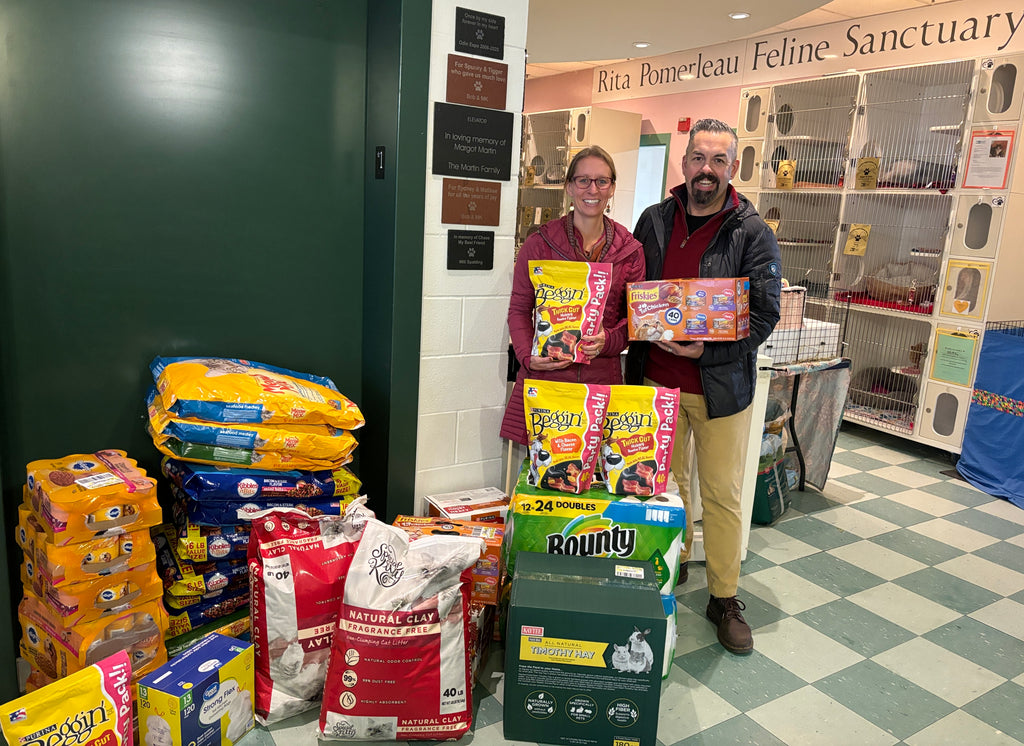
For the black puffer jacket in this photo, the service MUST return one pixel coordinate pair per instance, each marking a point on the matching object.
(743, 247)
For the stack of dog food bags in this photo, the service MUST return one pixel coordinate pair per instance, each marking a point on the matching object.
(238, 437)
(91, 585)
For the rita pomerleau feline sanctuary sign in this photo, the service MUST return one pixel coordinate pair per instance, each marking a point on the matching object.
(929, 34)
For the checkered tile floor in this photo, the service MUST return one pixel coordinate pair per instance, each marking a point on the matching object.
(887, 610)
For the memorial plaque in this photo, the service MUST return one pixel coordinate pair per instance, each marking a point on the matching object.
(476, 82)
(470, 202)
(470, 249)
(474, 142)
(479, 33)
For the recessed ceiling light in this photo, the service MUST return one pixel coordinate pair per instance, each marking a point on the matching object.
(641, 44)
(739, 15)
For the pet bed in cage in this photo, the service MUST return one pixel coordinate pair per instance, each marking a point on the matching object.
(902, 282)
(881, 388)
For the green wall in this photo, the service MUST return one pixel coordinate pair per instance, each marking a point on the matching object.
(184, 177)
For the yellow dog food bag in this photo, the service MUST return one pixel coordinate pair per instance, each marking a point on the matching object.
(92, 708)
(639, 433)
(564, 424)
(217, 389)
(319, 442)
(569, 302)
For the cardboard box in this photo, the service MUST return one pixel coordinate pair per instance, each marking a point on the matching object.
(486, 571)
(484, 504)
(696, 309)
(204, 696)
(583, 660)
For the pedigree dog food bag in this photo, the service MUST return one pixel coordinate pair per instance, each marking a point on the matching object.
(230, 390)
(564, 423)
(92, 706)
(639, 432)
(569, 302)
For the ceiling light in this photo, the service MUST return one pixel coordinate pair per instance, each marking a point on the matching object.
(739, 15)
(641, 44)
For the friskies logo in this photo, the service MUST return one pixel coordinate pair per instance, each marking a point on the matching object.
(593, 536)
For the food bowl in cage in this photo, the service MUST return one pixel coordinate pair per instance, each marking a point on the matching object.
(902, 282)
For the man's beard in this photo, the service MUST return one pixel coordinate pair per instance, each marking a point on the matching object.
(702, 197)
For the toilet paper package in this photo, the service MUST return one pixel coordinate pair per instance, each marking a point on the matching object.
(203, 696)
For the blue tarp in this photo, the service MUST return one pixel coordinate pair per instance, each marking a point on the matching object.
(992, 456)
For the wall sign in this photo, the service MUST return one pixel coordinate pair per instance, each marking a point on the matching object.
(954, 356)
(479, 33)
(469, 141)
(476, 82)
(935, 33)
(988, 159)
(470, 202)
(470, 249)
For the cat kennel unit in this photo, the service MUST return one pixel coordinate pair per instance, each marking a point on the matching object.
(808, 132)
(805, 224)
(890, 250)
(909, 126)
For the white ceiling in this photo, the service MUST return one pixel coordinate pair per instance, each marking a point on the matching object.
(568, 35)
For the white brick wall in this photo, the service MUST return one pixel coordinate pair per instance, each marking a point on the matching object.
(464, 337)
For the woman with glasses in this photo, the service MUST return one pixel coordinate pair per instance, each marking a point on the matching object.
(585, 234)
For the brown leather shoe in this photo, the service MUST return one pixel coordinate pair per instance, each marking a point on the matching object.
(684, 573)
(733, 630)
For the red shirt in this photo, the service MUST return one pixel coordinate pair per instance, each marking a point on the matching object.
(682, 260)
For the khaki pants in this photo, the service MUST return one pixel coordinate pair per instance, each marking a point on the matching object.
(720, 451)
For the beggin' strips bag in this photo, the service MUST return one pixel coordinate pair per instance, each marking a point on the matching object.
(569, 301)
(93, 706)
(564, 423)
(639, 431)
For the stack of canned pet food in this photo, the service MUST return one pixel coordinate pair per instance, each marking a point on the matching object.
(91, 586)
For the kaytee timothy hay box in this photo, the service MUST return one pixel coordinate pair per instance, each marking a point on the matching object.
(583, 660)
(696, 309)
(204, 696)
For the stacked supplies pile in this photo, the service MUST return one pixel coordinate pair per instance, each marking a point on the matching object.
(238, 438)
(595, 483)
(89, 574)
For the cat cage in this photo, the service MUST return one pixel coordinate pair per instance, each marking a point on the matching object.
(808, 132)
(910, 125)
(805, 226)
(543, 163)
(887, 355)
(890, 249)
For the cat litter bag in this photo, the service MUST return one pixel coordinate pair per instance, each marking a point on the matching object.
(297, 569)
(218, 389)
(399, 667)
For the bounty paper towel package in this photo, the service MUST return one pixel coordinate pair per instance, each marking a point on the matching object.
(204, 696)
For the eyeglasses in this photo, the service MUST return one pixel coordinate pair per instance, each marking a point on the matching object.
(584, 182)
